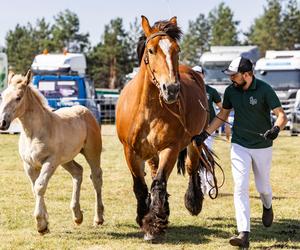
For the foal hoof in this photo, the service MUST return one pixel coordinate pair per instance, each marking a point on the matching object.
(44, 231)
(98, 222)
(78, 221)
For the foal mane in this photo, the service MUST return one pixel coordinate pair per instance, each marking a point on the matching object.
(171, 29)
(34, 93)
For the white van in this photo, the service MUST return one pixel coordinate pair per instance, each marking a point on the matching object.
(281, 69)
(219, 58)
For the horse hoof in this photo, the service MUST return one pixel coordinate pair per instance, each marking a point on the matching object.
(44, 231)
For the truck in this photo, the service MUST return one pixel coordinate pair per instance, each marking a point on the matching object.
(295, 117)
(62, 79)
(219, 58)
(3, 71)
(281, 69)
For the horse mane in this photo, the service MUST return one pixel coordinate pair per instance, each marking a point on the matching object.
(165, 26)
(39, 97)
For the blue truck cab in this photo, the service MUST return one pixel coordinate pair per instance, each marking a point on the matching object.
(61, 79)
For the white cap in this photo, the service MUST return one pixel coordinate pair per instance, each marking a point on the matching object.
(198, 69)
(240, 64)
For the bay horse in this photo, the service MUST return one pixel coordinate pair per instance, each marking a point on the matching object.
(157, 114)
(49, 139)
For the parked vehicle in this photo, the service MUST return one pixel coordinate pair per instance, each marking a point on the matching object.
(62, 80)
(295, 116)
(219, 58)
(3, 71)
(281, 69)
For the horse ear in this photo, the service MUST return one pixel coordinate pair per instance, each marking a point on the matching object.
(28, 76)
(10, 76)
(173, 20)
(146, 26)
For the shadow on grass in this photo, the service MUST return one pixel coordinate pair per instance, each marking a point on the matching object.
(286, 233)
(258, 197)
(181, 234)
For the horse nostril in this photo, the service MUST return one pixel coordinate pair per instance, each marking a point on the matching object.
(3, 124)
(164, 87)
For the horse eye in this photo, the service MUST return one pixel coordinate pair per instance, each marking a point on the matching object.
(151, 51)
(18, 98)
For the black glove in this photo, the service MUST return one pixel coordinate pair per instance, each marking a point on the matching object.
(272, 133)
(199, 139)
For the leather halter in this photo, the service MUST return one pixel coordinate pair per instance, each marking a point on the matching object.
(146, 57)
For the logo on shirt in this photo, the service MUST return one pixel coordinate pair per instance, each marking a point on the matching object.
(252, 101)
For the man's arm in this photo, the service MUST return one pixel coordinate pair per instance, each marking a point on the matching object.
(280, 123)
(216, 122)
(281, 120)
(227, 126)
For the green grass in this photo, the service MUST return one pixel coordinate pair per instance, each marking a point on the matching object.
(210, 230)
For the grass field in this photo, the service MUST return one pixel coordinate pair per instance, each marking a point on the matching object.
(210, 230)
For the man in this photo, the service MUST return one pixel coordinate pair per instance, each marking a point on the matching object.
(253, 135)
(213, 96)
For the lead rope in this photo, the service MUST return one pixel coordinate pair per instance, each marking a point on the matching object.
(205, 151)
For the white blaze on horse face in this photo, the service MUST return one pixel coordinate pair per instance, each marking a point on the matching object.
(165, 46)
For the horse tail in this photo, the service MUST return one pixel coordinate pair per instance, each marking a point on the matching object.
(181, 161)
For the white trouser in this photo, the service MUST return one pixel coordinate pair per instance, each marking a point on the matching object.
(241, 160)
(207, 180)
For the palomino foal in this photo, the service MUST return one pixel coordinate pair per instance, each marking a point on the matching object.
(49, 139)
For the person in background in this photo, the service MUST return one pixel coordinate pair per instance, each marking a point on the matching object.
(213, 97)
(251, 143)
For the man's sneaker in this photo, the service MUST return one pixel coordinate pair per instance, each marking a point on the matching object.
(242, 240)
(267, 216)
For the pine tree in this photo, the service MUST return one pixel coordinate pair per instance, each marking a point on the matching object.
(20, 48)
(66, 34)
(109, 62)
(290, 28)
(266, 30)
(135, 31)
(195, 41)
(223, 27)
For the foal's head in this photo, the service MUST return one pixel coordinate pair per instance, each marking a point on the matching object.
(12, 98)
(161, 55)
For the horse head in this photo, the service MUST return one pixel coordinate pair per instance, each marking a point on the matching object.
(12, 104)
(161, 56)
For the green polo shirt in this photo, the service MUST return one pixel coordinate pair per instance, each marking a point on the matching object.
(251, 112)
(212, 97)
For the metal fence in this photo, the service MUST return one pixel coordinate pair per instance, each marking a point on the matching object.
(103, 107)
(106, 105)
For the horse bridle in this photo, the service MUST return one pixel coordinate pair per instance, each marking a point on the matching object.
(146, 57)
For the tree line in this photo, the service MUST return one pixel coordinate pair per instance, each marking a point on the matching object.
(115, 56)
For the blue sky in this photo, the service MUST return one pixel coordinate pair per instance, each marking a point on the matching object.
(95, 14)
